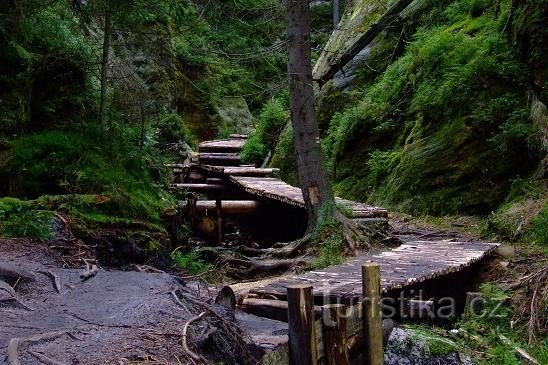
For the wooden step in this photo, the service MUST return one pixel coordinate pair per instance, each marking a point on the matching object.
(233, 145)
(221, 159)
(201, 188)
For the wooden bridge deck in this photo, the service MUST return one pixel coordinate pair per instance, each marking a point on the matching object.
(413, 262)
(276, 189)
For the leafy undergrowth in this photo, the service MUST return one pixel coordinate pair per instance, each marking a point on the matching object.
(500, 331)
(191, 262)
(20, 219)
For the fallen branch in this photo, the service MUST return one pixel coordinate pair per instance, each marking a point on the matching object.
(15, 343)
(521, 352)
(90, 272)
(178, 301)
(185, 330)
(54, 278)
(46, 360)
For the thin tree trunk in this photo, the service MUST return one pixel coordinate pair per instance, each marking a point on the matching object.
(336, 13)
(315, 186)
(104, 72)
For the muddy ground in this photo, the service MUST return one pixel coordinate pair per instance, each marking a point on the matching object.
(115, 317)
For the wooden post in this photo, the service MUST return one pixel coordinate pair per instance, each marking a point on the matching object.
(371, 314)
(334, 334)
(220, 221)
(300, 316)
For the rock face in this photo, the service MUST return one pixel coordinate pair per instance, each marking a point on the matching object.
(426, 116)
(412, 347)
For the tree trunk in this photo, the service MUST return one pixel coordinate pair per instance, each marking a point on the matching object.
(104, 72)
(315, 186)
(336, 13)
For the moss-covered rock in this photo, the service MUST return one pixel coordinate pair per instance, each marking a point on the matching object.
(445, 127)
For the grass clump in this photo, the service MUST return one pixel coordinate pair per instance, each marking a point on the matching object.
(190, 262)
(53, 162)
(329, 241)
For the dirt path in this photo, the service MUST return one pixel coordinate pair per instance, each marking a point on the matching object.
(113, 318)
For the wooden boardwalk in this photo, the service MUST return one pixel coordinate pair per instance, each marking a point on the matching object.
(217, 170)
(414, 262)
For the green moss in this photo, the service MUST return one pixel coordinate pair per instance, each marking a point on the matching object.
(445, 127)
(436, 344)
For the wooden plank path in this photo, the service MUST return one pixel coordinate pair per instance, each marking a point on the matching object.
(413, 262)
(276, 189)
(216, 169)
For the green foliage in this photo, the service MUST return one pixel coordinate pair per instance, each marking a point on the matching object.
(329, 240)
(191, 262)
(537, 232)
(172, 129)
(452, 104)
(53, 162)
(494, 321)
(20, 219)
(284, 157)
(254, 150)
(271, 121)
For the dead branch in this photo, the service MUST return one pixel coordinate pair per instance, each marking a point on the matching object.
(45, 359)
(15, 343)
(54, 278)
(90, 272)
(178, 301)
(185, 330)
(521, 352)
(148, 268)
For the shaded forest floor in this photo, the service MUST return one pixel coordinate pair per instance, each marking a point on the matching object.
(121, 317)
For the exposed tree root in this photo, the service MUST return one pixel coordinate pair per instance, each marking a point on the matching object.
(288, 250)
(249, 267)
(7, 288)
(45, 359)
(54, 278)
(15, 343)
(185, 330)
(178, 301)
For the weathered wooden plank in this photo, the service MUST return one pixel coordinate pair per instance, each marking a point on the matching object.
(222, 145)
(413, 262)
(276, 189)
